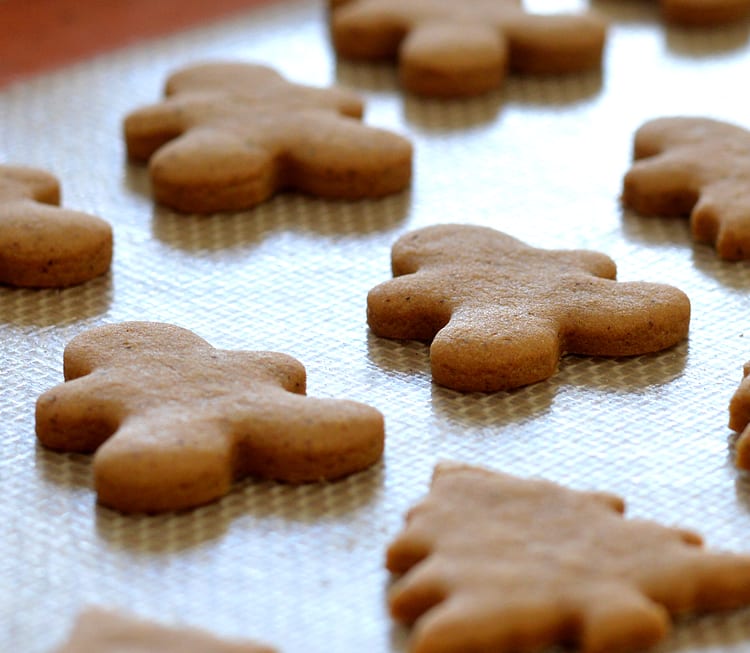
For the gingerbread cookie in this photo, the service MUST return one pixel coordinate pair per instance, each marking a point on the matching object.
(105, 631)
(704, 13)
(500, 313)
(695, 167)
(739, 418)
(491, 562)
(447, 48)
(41, 244)
(230, 135)
(174, 421)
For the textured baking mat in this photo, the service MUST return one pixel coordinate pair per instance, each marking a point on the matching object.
(302, 567)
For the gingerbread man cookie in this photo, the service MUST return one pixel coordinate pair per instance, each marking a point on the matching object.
(491, 562)
(447, 48)
(230, 135)
(500, 313)
(696, 167)
(739, 418)
(106, 631)
(41, 244)
(174, 421)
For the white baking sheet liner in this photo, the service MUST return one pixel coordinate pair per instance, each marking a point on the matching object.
(302, 567)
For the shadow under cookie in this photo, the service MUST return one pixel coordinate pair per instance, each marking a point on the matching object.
(290, 212)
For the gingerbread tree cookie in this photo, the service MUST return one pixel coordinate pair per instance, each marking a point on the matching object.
(104, 631)
(41, 244)
(696, 167)
(491, 562)
(230, 135)
(451, 49)
(739, 418)
(500, 313)
(174, 421)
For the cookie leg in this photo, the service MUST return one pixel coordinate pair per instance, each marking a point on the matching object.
(159, 463)
(208, 170)
(497, 353)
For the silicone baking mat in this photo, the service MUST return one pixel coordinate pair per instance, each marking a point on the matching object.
(302, 567)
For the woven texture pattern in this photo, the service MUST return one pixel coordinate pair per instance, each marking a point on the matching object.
(301, 568)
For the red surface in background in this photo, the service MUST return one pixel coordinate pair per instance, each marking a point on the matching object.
(39, 35)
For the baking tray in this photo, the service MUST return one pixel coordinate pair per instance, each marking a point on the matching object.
(302, 567)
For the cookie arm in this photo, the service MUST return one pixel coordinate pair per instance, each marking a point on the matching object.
(336, 156)
(664, 184)
(300, 439)
(408, 308)
(696, 579)
(78, 415)
(656, 136)
(609, 318)
(149, 128)
(21, 183)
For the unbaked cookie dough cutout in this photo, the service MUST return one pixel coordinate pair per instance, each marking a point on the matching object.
(699, 168)
(230, 135)
(499, 314)
(447, 48)
(173, 421)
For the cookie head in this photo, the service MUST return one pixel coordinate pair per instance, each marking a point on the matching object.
(453, 49)
(499, 314)
(694, 167)
(174, 421)
(41, 244)
(491, 562)
(230, 135)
